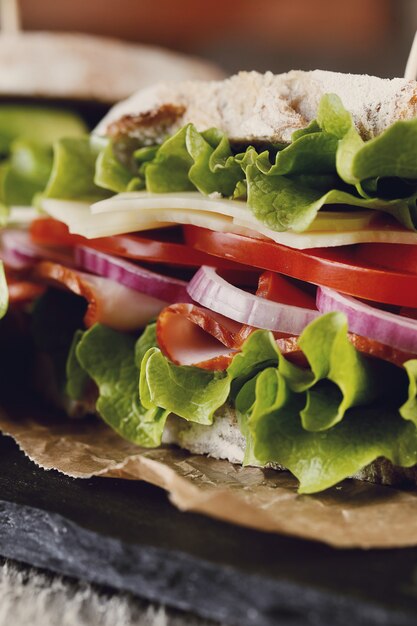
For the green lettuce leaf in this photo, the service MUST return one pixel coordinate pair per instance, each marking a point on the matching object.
(192, 160)
(215, 169)
(326, 164)
(283, 203)
(323, 423)
(391, 154)
(409, 409)
(192, 393)
(351, 379)
(26, 137)
(146, 341)
(312, 153)
(110, 173)
(72, 176)
(259, 351)
(77, 379)
(332, 117)
(337, 379)
(108, 357)
(141, 157)
(321, 459)
(168, 171)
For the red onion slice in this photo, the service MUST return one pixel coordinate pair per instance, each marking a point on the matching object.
(13, 260)
(19, 252)
(130, 275)
(210, 290)
(388, 328)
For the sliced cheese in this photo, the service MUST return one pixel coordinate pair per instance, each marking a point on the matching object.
(21, 216)
(239, 211)
(126, 213)
(80, 221)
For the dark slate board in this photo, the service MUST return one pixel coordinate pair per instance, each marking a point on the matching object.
(126, 535)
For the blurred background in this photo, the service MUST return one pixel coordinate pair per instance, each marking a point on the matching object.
(367, 36)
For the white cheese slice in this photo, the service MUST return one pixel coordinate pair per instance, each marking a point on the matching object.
(21, 216)
(80, 221)
(126, 213)
(239, 211)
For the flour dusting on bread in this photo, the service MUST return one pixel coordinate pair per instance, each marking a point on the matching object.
(253, 107)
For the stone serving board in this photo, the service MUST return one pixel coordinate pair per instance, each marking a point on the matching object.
(126, 535)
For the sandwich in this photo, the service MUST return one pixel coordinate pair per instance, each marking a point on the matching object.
(231, 267)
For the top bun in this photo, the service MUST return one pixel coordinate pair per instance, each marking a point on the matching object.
(85, 67)
(252, 107)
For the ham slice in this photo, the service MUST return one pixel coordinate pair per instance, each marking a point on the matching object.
(109, 302)
(22, 292)
(192, 335)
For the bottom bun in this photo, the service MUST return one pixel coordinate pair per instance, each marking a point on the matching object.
(223, 440)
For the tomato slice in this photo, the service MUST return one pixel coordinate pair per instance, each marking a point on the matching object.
(48, 232)
(339, 269)
(393, 256)
(275, 287)
(162, 246)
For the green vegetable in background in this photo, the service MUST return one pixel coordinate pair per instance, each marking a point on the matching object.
(4, 292)
(41, 125)
(26, 137)
(26, 172)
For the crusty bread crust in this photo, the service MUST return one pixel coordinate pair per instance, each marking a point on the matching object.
(223, 440)
(252, 107)
(88, 67)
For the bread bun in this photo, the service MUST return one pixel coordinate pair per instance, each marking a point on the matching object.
(86, 67)
(251, 107)
(223, 440)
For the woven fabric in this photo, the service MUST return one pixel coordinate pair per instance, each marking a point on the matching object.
(31, 597)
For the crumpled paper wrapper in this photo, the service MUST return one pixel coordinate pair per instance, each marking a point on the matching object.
(353, 514)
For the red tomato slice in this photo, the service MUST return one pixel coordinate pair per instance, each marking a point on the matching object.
(393, 256)
(162, 246)
(275, 287)
(48, 232)
(335, 268)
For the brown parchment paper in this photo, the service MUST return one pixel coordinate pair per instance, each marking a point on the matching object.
(354, 514)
